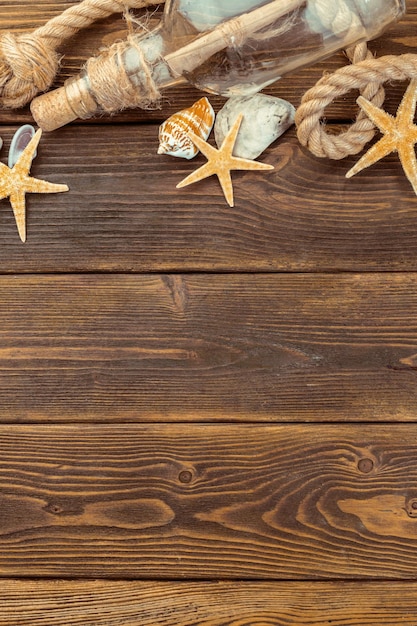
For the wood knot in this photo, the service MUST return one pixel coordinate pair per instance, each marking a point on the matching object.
(365, 466)
(178, 290)
(69, 506)
(185, 477)
(411, 507)
(28, 65)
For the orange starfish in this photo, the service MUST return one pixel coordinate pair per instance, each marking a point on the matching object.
(221, 162)
(15, 182)
(400, 135)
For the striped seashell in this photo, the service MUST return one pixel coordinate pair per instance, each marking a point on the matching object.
(173, 139)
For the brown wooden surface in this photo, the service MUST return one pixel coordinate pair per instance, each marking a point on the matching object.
(208, 347)
(302, 216)
(241, 502)
(115, 603)
(192, 393)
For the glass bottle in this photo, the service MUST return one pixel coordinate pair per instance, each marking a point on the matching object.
(227, 48)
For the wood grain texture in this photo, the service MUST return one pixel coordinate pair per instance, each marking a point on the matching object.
(233, 347)
(113, 379)
(124, 213)
(127, 603)
(222, 502)
(20, 15)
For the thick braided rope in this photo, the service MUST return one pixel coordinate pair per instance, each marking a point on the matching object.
(29, 61)
(367, 76)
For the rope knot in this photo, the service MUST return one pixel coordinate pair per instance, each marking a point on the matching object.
(367, 75)
(27, 65)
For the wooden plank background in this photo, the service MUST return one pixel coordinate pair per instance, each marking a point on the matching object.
(207, 414)
(302, 216)
(242, 502)
(253, 348)
(116, 603)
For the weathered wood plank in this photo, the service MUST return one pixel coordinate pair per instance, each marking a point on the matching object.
(203, 502)
(129, 603)
(22, 15)
(124, 213)
(251, 348)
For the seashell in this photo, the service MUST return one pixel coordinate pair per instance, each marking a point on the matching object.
(265, 118)
(20, 140)
(173, 139)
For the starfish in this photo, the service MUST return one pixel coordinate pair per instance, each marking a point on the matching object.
(15, 182)
(221, 162)
(400, 135)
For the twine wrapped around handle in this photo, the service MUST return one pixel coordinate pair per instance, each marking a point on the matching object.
(30, 61)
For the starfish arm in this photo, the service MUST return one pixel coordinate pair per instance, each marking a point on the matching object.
(406, 110)
(383, 120)
(22, 165)
(408, 160)
(4, 170)
(230, 139)
(226, 184)
(6, 185)
(209, 151)
(35, 185)
(378, 151)
(17, 200)
(204, 171)
(413, 134)
(237, 163)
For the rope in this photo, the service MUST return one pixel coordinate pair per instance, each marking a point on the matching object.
(367, 76)
(29, 61)
(110, 84)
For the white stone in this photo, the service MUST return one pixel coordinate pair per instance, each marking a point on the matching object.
(265, 119)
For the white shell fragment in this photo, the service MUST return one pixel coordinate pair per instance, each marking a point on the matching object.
(265, 118)
(20, 140)
(173, 138)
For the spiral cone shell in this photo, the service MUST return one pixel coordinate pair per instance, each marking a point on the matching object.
(173, 139)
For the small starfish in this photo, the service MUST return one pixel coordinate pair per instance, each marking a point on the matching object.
(15, 182)
(400, 135)
(221, 162)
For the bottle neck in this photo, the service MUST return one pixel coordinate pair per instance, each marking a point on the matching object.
(144, 63)
(129, 74)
